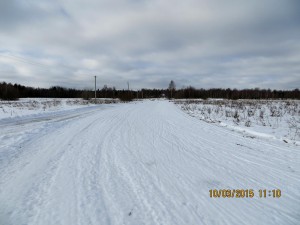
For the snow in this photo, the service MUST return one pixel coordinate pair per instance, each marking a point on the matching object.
(144, 162)
(275, 119)
(38, 106)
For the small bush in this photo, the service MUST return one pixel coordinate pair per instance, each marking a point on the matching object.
(248, 123)
(86, 95)
(236, 116)
(126, 97)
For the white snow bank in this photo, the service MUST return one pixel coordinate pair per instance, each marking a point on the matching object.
(36, 106)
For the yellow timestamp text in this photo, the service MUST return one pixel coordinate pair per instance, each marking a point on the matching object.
(244, 193)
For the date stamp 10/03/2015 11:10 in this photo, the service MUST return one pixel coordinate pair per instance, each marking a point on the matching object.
(244, 193)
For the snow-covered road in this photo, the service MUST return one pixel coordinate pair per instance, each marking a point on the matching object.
(141, 163)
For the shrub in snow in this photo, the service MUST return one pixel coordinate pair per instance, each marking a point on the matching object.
(248, 123)
(280, 117)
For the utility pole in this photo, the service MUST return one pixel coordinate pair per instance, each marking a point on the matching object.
(95, 89)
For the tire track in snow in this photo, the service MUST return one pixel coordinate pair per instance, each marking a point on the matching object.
(147, 163)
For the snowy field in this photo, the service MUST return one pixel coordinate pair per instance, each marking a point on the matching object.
(275, 119)
(145, 162)
(38, 106)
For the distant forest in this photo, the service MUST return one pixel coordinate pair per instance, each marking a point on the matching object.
(10, 91)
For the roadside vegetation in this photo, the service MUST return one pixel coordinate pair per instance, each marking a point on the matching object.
(280, 118)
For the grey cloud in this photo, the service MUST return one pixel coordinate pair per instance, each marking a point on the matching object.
(204, 43)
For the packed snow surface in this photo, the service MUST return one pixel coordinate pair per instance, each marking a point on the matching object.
(141, 163)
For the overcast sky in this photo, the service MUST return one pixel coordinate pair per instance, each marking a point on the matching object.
(203, 43)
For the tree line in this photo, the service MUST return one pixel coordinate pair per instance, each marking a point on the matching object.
(10, 91)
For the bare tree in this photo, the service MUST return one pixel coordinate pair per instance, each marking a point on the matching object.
(172, 87)
(105, 89)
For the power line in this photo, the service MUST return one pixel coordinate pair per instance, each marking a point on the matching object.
(30, 62)
(23, 60)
